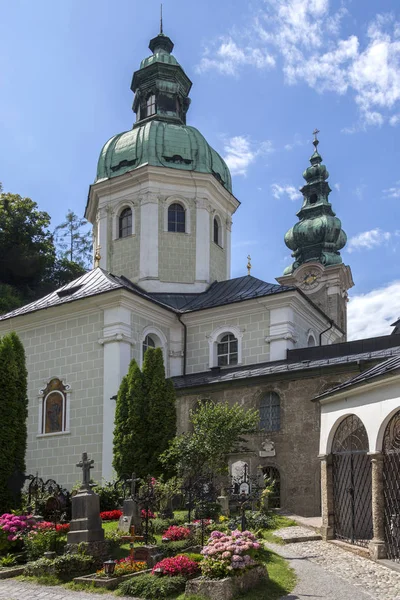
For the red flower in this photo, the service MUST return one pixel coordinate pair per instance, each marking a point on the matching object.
(177, 565)
(150, 514)
(63, 528)
(175, 533)
(111, 515)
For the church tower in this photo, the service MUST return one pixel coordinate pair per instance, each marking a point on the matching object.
(162, 202)
(316, 241)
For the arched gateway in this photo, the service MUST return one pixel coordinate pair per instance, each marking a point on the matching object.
(391, 486)
(352, 494)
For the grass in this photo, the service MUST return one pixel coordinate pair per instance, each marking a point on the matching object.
(279, 521)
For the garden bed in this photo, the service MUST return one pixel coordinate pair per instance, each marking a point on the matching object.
(107, 582)
(8, 572)
(229, 587)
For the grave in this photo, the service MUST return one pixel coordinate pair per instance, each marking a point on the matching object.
(85, 525)
(131, 516)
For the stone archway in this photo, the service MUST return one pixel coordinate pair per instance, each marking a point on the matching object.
(391, 486)
(352, 483)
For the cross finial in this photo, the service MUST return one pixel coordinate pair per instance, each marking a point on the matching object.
(248, 264)
(316, 141)
(161, 23)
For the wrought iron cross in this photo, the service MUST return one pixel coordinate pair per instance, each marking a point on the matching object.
(133, 481)
(85, 464)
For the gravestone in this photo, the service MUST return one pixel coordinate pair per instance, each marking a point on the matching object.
(131, 511)
(85, 525)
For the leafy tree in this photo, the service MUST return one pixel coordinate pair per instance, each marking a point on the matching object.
(13, 404)
(65, 271)
(145, 417)
(10, 299)
(218, 430)
(73, 240)
(27, 251)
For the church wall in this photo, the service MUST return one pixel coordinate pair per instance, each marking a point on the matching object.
(254, 325)
(67, 349)
(296, 444)
(125, 253)
(218, 263)
(177, 251)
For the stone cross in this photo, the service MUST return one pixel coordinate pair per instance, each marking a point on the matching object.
(85, 464)
(133, 481)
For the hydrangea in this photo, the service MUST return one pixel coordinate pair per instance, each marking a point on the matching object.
(228, 554)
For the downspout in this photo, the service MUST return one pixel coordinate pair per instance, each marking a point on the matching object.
(184, 343)
(325, 330)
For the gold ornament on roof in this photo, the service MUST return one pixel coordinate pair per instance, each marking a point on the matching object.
(248, 264)
(97, 257)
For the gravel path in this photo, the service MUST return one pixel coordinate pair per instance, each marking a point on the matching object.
(326, 571)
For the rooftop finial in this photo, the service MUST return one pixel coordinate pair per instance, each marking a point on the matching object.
(316, 141)
(248, 264)
(161, 24)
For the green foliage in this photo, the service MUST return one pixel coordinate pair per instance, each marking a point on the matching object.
(255, 520)
(74, 240)
(145, 419)
(173, 548)
(10, 298)
(150, 587)
(43, 540)
(194, 556)
(110, 495)
(218, 430)
(64, 567)
(9, 560)
(13, 402)
(165, 492)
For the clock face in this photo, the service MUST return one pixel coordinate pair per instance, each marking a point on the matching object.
(310, 279)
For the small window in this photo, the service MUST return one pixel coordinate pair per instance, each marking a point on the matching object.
(270, 412)
(125, 223)
(148, 342)
(313, 198)
(151, 105)
(227, 351)
(311, 341)
(54, 407)
(176, 218)
(217, 233)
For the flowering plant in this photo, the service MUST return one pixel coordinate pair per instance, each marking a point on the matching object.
(176, 532)
(227, 555)
(13, 526)
(177, 565)
(62, 527)
(206, 522)
(125, 566)
(147, 513)
(110, 515)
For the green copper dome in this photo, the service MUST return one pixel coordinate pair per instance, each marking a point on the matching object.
(160, 136)
(161, 144)
(318, 236)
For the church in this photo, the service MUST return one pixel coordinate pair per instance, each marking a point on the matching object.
(162, 209)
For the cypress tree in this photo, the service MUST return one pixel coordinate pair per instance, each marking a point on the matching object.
(10, 420)
(160, 395)
(121, 429)
(137, 422)
(21, 433)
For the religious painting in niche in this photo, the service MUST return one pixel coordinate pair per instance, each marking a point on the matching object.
(54, 407)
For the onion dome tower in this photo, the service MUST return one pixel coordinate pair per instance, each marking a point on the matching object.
(316, 240)
(162, 200)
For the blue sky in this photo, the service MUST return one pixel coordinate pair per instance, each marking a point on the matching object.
(265, 73)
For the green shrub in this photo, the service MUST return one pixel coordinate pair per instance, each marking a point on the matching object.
(150, 587)
(9, 560)
(64, 567)
(43, 540)
(173, 548)
(194, 556)
(255, 520)
(160, 525)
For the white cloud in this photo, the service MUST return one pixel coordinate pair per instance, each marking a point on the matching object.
(368, 239)
(337, 186)
(393, 192)
(285, 190)
(305, 36)
(240, 152)
(229, 57)
(296, 142)
(371, 314)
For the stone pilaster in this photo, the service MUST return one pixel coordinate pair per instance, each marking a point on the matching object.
(327, 496)
(377, 546)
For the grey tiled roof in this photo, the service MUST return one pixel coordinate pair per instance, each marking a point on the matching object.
(383, 368)
(92, 283)
(275, 368)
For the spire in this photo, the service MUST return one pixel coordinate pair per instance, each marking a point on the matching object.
(318, 236)
(161, 26)
(248, 264)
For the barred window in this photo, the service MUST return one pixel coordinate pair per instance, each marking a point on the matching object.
(125, 223)
(270, 412)
(176, 218)
(227, 350)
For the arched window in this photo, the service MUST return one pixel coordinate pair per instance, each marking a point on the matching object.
(176, 218)
(148, 342)
(125, 223)
(217, 232)
(54, 407)
(151, 108)
(227, 350)
(311, 341)
(270, 412)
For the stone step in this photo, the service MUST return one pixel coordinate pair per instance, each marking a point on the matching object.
(291, 535)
